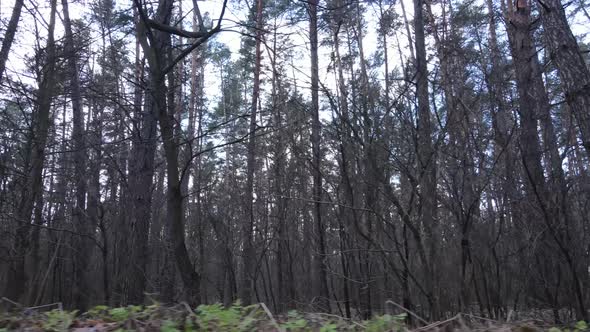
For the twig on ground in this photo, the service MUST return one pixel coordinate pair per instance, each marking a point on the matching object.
(58, 304)
(188, 308)
(509, 316)
(408, 311)
(435, 324)
(481, 318)
(340, 317)
(269, 314)
(11, 302)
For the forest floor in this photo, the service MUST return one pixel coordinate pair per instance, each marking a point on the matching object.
(237, 318)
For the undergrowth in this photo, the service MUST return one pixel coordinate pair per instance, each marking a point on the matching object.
(215, 317)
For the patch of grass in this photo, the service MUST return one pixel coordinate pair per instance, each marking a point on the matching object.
(59, 320)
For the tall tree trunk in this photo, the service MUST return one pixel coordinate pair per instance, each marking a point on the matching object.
(33, 186)
(190, 278)
(407, 26)
(426, 157)
(460, 168)
(278, 184)
(348, 217)
(573, 71)
(534, 106)
(503, 147)
(320, 282)
(9, 35)
(157, 53)
(81, 225)
(249, 256)
(369, 168)
(141, 174)
(193, 136)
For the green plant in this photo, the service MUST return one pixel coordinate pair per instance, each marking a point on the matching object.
(294, 322)
(581, 326)
(330, 327)
(58, 320)
(386, 323)
(169, 326)
(99, 311)
(219, 318)
(189, 325)
(119, 314)
(148, 312)
(216, 314)
(133, 309)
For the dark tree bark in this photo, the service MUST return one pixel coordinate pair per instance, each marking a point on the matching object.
(141, 174)
(349, 217)
(369, 166)
(9, 35)
(503, 143)
(320, 282)
(279, 182)
(33, 186)
(426, 157)
(534, 106)
(460, 169)
(81, 223)
(573, 71)
(247, 279)
(154, 36)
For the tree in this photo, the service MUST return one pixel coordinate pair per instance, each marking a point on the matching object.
(319, 259)
(573, 71)
(156, 50)
(36, 152)
(248, 279)
(426, 156)
(83, 225)
(9, 35)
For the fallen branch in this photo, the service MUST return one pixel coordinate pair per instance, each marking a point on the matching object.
(435, 324)
(272, 319)
(408, 311)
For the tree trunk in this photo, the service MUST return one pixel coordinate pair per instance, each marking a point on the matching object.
(347, 217)
(573, 71)
(141, 174)
(157, 53)
(503, 147)
(534, 105)
(320, 282)
(33, 186)
(426, 157)
(247, 279)
(81, 224)
(9, 35)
